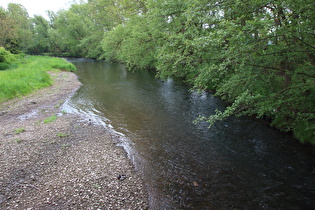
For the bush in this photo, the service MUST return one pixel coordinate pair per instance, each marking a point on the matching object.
(4, 66)
(6, 59)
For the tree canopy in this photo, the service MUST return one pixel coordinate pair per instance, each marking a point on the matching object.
(258, 55)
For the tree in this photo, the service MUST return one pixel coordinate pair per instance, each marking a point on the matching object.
(7, 29)
(41, 37)
(131, 43)
(268, 64)
(258, 55)
(115, 12)
(21, 20)
(79, 32)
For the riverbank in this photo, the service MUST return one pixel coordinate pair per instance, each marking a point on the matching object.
(55, 160)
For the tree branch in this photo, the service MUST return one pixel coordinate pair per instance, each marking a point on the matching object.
(288, 88)
(266, 67)
(305, 43)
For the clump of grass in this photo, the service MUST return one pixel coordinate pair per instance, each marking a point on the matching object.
(59, 104)
(50, 119)
(61, 135)
(19, 141)
(64, 146)
(19, 130)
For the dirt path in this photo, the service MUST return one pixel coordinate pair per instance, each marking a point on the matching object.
(55, 160)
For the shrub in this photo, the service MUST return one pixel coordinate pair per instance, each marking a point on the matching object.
(6, 58)
(4, 66)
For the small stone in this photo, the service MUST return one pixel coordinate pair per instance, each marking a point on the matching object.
(2, 113)
(195, 184)
(121, 177)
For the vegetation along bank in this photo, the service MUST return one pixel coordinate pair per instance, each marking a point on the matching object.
(258, 55)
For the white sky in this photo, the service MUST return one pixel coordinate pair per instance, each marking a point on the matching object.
(39, 7)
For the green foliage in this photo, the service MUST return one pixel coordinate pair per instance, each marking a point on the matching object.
(4, 66)
(270, 55)
(19, 130)
(64, 146)
(131, 44)
(77, 32)
(42, 42)
(257, 55)
(15, 29)
(50, 119)
(19, 141)
(6, 59)
(23, 28)
(62, 135)
(8, 30)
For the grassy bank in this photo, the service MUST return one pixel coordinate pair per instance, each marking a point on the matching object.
(29, 74)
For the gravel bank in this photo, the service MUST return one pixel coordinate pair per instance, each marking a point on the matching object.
(55, 160)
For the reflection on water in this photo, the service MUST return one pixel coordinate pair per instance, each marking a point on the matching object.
(239, 163)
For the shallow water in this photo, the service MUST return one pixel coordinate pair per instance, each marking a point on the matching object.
(239, 163)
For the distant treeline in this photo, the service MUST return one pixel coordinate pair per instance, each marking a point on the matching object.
(258, 55)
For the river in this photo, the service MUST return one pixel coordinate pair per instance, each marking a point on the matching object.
(237, 164)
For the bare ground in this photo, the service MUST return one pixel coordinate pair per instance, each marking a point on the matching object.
(67, 163)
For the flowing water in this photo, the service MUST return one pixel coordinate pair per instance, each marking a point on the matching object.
(238, 164)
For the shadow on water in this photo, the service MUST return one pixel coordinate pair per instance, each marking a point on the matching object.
(239, 163)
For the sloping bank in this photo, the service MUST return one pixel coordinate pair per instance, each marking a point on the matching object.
(54, 160)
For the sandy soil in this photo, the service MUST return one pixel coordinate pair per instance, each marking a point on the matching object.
(67, 163)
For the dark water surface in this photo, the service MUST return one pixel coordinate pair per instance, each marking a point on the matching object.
(240, 163)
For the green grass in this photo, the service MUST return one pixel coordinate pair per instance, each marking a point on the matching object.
(19, 141)
(29, 74)
(64, 146)
(61, 135)
(19, 130)
(59, 104)
(50, 119)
